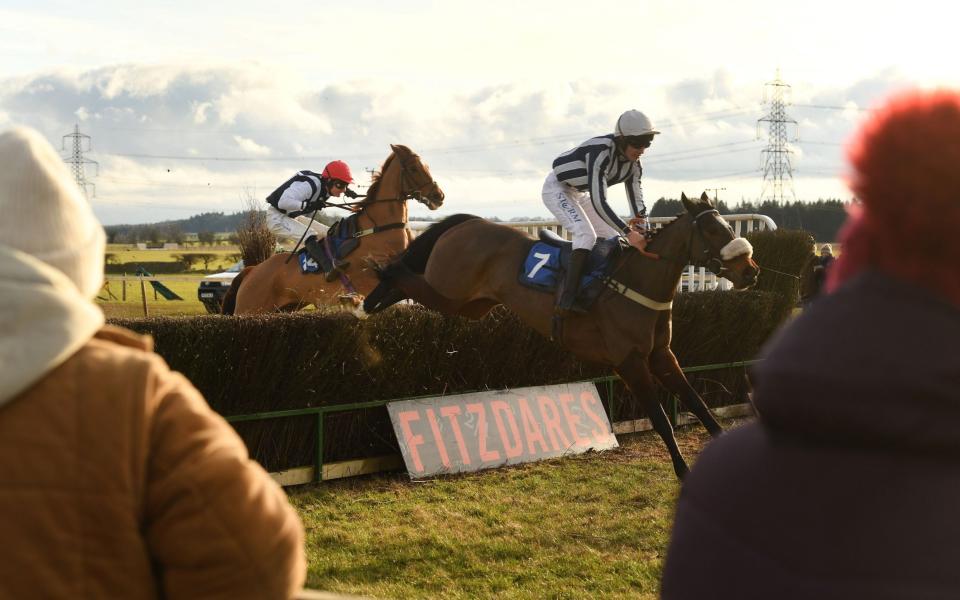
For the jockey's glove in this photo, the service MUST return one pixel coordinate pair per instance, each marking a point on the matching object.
(350, 194)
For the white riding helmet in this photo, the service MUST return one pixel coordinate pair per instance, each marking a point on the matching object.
(634, 122)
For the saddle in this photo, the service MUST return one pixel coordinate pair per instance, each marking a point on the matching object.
(343, 236)
(341, 240)
(546, 262)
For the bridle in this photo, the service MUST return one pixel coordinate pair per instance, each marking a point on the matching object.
(406, 176)
(709, 259)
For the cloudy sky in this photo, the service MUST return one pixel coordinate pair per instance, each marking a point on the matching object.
(199, 106)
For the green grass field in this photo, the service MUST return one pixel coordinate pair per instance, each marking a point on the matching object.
(591, 526)
(184, 284)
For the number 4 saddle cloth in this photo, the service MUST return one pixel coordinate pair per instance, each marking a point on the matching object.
(546, 263)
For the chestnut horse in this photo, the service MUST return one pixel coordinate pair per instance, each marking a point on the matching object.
(466, 265)
(278, 283)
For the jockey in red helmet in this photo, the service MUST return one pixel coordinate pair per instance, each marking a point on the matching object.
(306, 192)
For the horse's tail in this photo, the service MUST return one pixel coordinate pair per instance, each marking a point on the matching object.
(230, 298)
(412, 261)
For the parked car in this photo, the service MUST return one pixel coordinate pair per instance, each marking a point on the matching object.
(214, 287)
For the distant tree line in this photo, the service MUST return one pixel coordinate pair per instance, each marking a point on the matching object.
(822, 218)
(205, 226)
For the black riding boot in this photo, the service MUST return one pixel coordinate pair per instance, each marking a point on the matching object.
(571, 284)
(319, 254)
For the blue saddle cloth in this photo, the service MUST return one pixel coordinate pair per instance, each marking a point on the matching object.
(542, 270)
(545, 264)
(307, 264)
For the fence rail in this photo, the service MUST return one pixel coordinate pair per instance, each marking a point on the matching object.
(694, 278)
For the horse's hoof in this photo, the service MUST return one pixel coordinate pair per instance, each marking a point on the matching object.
(352, 300)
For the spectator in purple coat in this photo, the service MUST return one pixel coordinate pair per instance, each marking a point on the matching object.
(848, 483)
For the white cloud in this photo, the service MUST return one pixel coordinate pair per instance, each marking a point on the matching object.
(251, 147)
(199, 114)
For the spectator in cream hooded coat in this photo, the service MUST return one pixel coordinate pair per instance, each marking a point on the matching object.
(116, 478)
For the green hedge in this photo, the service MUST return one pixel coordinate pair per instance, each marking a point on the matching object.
(781, 254)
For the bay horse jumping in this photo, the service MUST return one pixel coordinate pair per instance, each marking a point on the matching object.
(277, 284)
(466, 265)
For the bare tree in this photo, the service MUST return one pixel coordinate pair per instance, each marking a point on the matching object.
(255, 239)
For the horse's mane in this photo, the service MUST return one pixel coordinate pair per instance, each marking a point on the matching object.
(375, 185)
(658, 230)
(374, 188)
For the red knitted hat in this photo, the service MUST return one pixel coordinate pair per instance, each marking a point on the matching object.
(906, 175)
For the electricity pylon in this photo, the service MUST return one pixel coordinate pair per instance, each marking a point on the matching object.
(77, 161)
(777, 170)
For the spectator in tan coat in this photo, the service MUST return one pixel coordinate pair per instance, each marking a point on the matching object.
(116, 478)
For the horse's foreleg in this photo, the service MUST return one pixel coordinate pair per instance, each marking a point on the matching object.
(667, 370)
(382, 297)
(635, 373)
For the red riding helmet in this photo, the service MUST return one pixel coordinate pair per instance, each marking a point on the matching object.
(337, 170)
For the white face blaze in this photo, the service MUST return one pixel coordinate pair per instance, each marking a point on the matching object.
(736, 247)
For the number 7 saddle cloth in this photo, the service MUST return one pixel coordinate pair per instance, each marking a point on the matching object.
(546, 262)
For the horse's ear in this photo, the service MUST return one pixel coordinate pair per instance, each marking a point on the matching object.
(399, 149)
(688, 204)
(705, 198)
(395, 148)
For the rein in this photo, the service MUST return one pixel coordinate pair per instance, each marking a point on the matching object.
(778, 272)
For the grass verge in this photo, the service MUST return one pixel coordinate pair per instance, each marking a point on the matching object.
(589, 526)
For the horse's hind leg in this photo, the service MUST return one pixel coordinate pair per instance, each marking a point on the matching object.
(667, 370)
(635, 373)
